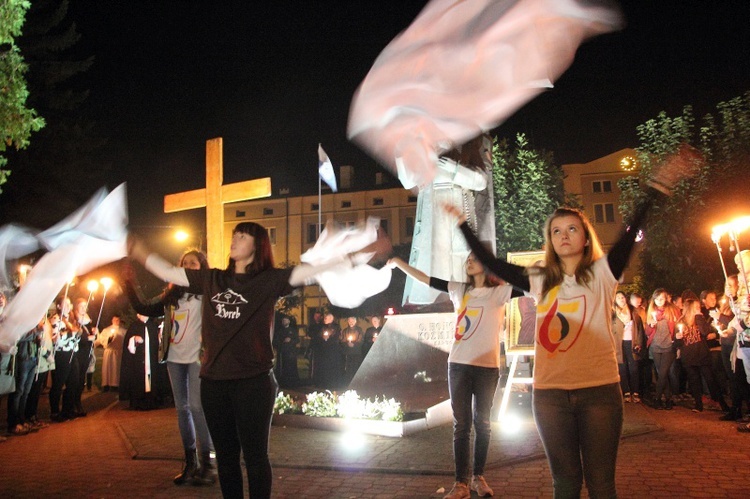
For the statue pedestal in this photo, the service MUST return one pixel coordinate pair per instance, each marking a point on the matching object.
(409, 361)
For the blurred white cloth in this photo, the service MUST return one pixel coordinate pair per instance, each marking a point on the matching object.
(349, 284)
(461, 68)
(92, 236)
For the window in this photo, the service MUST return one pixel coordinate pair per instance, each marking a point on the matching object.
(601, 186)
(384, 225)
(346, 204)
(272, 235)
(412, 199)
(268, 211)
(604, 213)
(409, 226)
(239, 213)
(377, 202)
(312, 233)
(314, 207)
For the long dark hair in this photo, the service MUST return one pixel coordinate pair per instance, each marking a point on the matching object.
(263, 254)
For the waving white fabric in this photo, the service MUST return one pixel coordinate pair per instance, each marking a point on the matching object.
(92, 236)
(461, 68)
(348, 285)
(15, 242)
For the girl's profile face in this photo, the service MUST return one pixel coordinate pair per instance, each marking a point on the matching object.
(473, 266)
(191, 262)
(568, 236)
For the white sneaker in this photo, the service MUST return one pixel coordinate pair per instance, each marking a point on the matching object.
(459, 491)
(479, 485)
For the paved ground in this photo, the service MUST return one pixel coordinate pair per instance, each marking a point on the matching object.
(115, 452)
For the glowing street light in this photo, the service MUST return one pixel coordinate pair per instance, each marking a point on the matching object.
(181, 236)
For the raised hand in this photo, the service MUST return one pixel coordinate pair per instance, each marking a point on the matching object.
(683, 164)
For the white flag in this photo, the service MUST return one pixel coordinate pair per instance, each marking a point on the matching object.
(462, 68)
(325, 169)
(90, 237)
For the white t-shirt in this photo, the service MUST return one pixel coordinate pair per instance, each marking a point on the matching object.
(186, 332)
(574, 345)
(479, 324)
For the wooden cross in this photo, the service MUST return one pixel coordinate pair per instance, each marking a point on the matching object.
(214, 197)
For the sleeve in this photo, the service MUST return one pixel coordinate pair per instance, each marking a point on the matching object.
(515, 275)
(165, 270)
(620, 253)
(153, 309)
(439, 284)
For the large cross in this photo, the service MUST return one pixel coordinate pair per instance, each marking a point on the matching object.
(214, 197)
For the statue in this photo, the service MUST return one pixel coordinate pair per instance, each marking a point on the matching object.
(464, 178)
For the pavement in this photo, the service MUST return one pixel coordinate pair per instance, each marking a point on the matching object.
(115, 452)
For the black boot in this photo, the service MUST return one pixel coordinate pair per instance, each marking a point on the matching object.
(191, 467)
(206, 475)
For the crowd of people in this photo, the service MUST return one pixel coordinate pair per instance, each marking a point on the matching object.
(682, 349)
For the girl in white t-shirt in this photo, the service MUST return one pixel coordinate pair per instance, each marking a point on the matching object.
(473, 365)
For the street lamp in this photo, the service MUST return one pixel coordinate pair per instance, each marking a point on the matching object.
(181, 236)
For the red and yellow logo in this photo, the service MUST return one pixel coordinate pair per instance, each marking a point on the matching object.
(561, 321)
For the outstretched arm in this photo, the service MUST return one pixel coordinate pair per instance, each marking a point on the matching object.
(515, 275)
(155, 264)
(417, 274)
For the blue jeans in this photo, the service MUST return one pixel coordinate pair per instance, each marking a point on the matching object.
(629, 370)
(580, 430)
(238, 413)
(472, 390)
(662, 364)
(25, 369)
(186, 388)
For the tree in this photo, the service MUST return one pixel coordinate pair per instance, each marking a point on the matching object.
(17, 120)
(528, 188)
(58, 171)
(678, 252)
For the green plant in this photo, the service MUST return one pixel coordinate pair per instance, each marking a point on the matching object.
(320, 405)
(285, 404)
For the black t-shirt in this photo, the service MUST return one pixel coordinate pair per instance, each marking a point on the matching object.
(237, 320)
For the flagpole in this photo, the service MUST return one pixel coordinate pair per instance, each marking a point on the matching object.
(320, 220)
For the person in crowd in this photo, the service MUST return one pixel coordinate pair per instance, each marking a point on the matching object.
(577, 401)
(313, 333)
(45, 364)
(111, 339)
(238, 388)
(143, 380)
(636, 301)
(85, 353)
(710, 311)
(329, 365)
(661, 319)
(182, 331)
(285, 341)
(630, 343)
(371, 335)
(473, 365)
(26, 360)
(65, 334)
(351, 348)
(738, 386)
(691, 337)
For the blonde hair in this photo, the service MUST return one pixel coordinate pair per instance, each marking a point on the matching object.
(552, 270)
(669, 309)
(690, 309)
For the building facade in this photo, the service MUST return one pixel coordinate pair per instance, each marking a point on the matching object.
(292, 224)
(596, 184)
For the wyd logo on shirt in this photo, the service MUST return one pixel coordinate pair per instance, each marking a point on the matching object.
(228, 304)
(467, 322)
(561, 321)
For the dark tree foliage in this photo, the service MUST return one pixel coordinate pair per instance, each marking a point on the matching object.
(678, 252)
(56, 174)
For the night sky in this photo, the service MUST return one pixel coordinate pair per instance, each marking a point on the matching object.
(274, 78)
